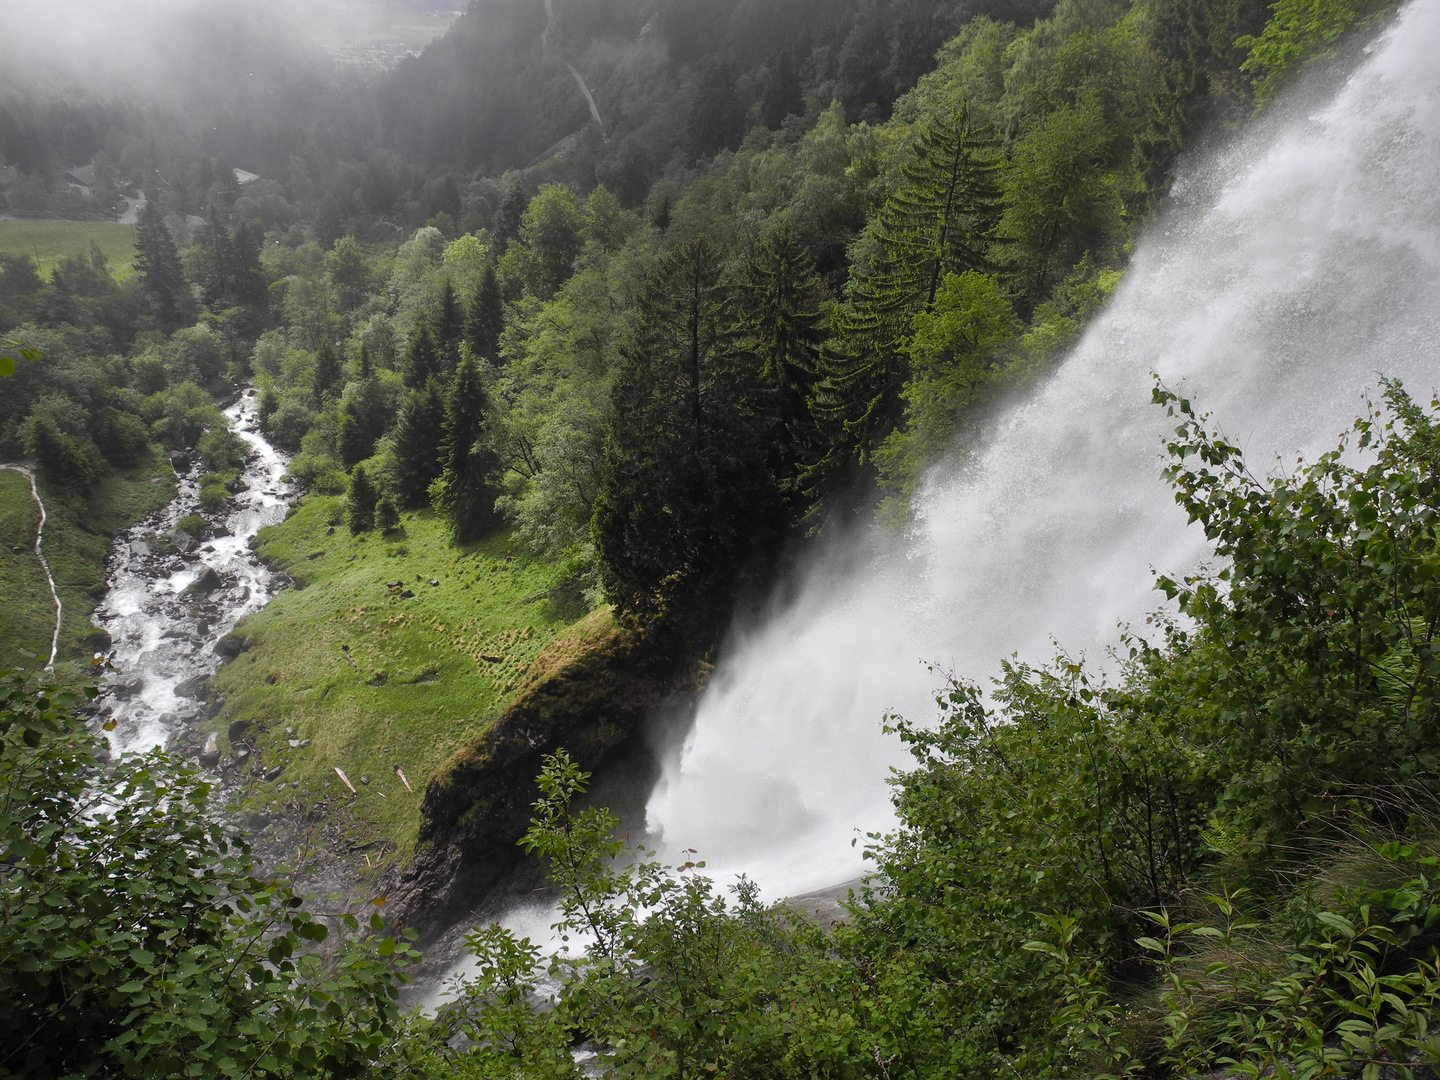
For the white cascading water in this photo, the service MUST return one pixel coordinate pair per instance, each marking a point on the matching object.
(164, 632)
(1304, 263)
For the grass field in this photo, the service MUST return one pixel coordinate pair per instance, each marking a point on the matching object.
(51, 241)
(374, 679)
(78, 535)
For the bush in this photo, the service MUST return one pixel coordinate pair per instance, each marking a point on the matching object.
(187, 963)
(213, 498)
(221, 450)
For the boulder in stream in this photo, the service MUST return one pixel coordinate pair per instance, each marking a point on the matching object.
(179, 461)
(231, 646)
(193, 688)
(182, 539)
(207, 582)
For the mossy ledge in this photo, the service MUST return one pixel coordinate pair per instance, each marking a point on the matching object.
(587, 691)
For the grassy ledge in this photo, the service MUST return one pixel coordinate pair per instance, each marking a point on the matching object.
(345, 670)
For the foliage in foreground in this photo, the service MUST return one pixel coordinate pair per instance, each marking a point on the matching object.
(137, 938)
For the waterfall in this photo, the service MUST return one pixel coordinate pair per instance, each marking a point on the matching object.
(1299, 265)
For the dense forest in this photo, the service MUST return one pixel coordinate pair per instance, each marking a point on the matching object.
(668, 290)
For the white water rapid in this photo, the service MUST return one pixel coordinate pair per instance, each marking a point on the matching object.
(164, 631)
(1304, 262)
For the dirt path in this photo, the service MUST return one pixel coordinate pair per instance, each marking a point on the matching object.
(29, 474)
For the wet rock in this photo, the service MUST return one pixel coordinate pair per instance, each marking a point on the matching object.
(210, 756)
(179, 461)
(231, 646)
(139, 548)
(207, 582)
(237, 731)
(202, 627)
(219, 530)
(274, 774)
(127, 687)
(97, 641)
(182, 540)
(193, 688)
(102, 752)
(236, 486)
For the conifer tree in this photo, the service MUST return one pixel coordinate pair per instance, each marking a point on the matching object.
(485, 320)
(422, 356)
(687, 511)
(161, 272)
(779, 298)
(386, 516)
(464, 496)
(507, 218)
(449, 328)
(418, 433)
(940, 219)
(360, 506)
(327, 370)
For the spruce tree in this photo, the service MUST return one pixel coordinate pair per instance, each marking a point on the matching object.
(422, 356)
(360, 506)
(485, 320)
(418, 433)
(161, 273)
(507, 218)
(449, 328)
(466, 498)
(327, 370)
(386, 516)
(939, 219)
(779, 296)
(687, 511)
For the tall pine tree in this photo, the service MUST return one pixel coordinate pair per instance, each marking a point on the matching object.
(161, 274)
(687, 511)
(779, 297)
(418, 433)
(422, 356)
(449, 328)
(465, 497)
(940, 218)
(485, 320)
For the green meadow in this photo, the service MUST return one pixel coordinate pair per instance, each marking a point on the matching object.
(374, 679)
(50, 241)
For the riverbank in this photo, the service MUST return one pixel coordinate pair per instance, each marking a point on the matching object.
(79, 534)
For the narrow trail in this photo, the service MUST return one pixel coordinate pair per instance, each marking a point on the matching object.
(29, 474)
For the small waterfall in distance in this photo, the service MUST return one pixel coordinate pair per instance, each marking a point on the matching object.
(1300, 265)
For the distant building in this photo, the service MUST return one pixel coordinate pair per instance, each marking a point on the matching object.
(80, 177)
(244, 179)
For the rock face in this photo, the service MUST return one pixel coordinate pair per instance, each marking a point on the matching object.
(587, 691)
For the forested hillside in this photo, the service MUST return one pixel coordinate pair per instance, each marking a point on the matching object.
(607, 310)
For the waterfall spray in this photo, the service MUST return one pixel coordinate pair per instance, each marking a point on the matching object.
(1301, 264)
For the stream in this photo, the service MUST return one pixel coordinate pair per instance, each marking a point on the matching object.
(173, 596)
